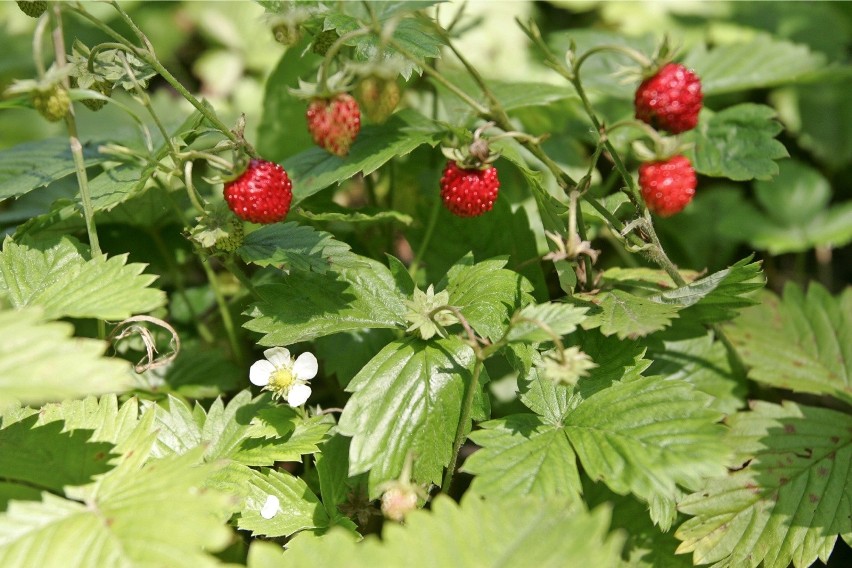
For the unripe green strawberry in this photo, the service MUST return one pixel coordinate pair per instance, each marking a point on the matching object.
(323, 41)
(334, 123)
(234, 240)
(32, 8)
(52, 104)
(378, 97)
(102, 87)
(287, 34)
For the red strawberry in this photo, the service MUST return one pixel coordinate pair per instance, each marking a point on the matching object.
(667, 186)
(469, 192)
(334, 123)
(262, 194)
(670, 100)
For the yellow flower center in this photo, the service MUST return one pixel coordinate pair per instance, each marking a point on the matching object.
(281, 380)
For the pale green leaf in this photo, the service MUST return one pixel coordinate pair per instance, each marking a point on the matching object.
(487, 294)
(363, 216)
(760, 63)
(628, 316)
(298, 247)
(56, 277)
(307, 305)
(647, 436)
(108, 421)
(315, 169)
(40, 361)
(738, 143)
(534, 319)
(406, 399)
(719, 296)
(789, 500)
(131, 521)
(475, 534)
(32, 165)
(520, 455)
(802, 342)
(299, 508)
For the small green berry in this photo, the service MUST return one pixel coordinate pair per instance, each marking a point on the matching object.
(52, 104)
(32, 8)
(324, 41)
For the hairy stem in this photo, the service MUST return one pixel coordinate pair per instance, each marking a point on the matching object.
(461, 431)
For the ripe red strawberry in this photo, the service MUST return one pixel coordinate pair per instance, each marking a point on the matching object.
(670, 100)
(262, 194)
(334, 123)
(469, 192)
(667, 186)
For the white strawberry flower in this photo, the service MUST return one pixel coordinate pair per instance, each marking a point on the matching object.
(271, 507)
(283, 376)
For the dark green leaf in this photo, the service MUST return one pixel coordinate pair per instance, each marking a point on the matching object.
(32, 165)
(293, 246)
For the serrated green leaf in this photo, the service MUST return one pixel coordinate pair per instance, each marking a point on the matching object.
(627, 315)
(315, 169)
(648, 436)
(46, 456)
(406, 399)
(307, 305)
(299, 508)
(760, 63)
(32, 165)
(364, 216)
(520, 455)
(738, 143)
(787, 503)
(129, 521)
(802, 342)
(560, 319)
(294, 246)
(55, 276)
(487, 294)
(719, 296)
(475, 534)
(332, 464)
(41, 362)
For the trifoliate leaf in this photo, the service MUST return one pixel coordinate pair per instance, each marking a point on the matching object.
(627, 315)
(307, 305)
(297, 247)
(801, 342)
(521, 456)
(787, 503)
(487, 294)
(475, 534)
(41, 362)
(131, 520)
(530, 323)
(55, 276)
(407, 399)
(738, 143)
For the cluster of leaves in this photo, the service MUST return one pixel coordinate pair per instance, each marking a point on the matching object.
(654, 447)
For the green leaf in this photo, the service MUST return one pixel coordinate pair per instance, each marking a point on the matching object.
(487, 294)
(796, 215)
(299, 509)
(521, 456)
(32, 165)
(719, 296)
(298, 247)
(627, 315)
(49, 457)
(332, 464)
(477, 533)
(647, 436)
(760, 63)
(55, 276)
(802, 342)
(307, 305)
(315, 169)
(41, 362)
(561, 319)
(738, 143)
(406, 399)
(790, 499)
(130, 520)
(364, 216)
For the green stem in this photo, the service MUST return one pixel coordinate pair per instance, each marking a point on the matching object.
(227, 320)
(332, 52)
(634, 54)
(660, 256)
(461, 431)
(427, 238)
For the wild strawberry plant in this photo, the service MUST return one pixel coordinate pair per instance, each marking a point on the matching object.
(486, 322)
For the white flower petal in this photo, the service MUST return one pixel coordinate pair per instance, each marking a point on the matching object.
(278, 356)
(298, 394)
(270, 507)
(305, 368)
(260, 372)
